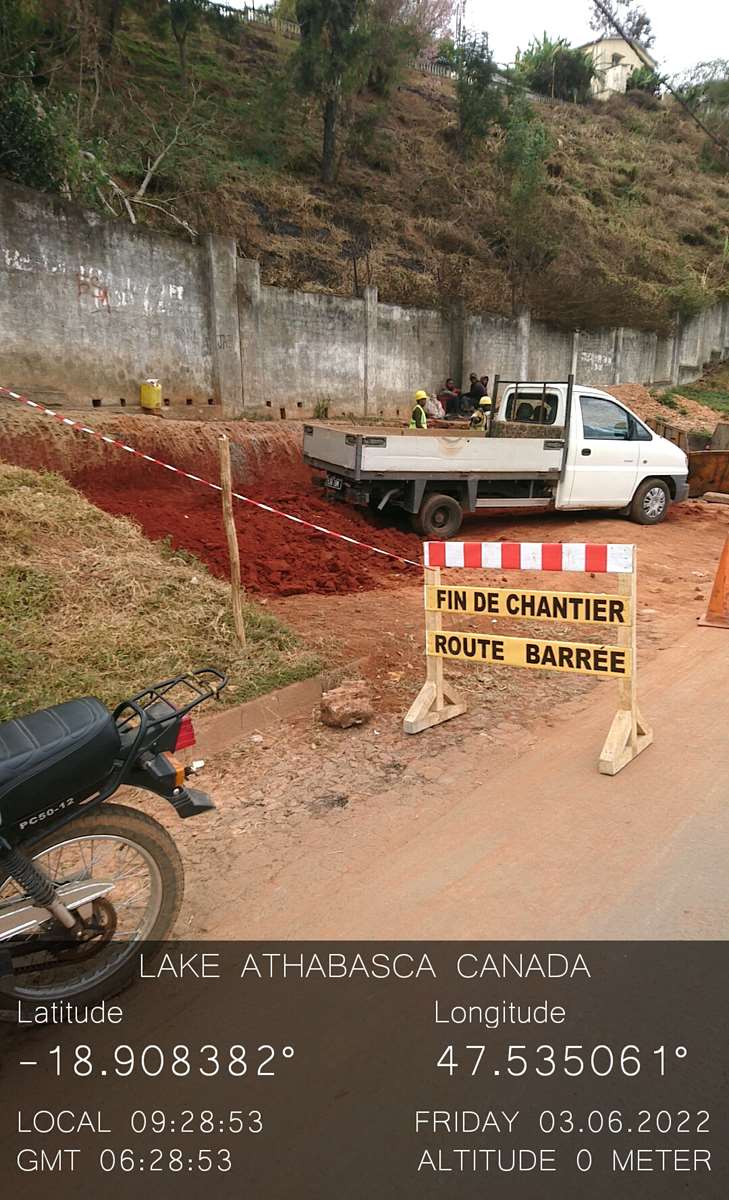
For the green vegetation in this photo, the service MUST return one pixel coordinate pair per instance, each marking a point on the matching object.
(703, 393)
(643, 79)
(39, 145)
(552, 68)
(524, 155)
(330, 63)
(89, 606)
(706, 89)
(668, 400)
(477, 93)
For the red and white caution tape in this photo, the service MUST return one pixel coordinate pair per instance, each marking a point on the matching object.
(277, 512)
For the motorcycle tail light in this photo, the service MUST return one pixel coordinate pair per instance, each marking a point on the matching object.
(185, 734)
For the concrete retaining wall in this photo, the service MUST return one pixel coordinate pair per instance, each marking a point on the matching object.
(89, 308)
(410, 349)
(550, 352)
(491, 347)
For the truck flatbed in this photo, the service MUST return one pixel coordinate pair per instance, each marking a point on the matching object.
(367, 452)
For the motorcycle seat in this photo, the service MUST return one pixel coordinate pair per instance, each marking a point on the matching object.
(54, 754)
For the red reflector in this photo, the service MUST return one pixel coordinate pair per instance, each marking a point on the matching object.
(185, 734)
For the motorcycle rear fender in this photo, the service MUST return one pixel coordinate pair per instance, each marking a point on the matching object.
(158, 773)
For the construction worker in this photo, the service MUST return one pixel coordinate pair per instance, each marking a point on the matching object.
(479, 420)
(418, 417)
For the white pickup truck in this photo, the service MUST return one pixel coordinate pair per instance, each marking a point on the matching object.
(549, 445)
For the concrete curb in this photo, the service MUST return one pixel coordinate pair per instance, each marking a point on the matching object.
(221, 731)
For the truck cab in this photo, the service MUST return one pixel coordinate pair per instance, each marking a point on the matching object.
(609, 453)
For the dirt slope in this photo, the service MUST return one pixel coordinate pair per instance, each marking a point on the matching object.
(630, 206)
(683, 412)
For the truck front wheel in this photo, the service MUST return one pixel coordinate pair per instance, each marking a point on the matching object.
(439, 517)
(650, 502)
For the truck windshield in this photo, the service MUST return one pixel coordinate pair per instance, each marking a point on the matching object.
(535, 408)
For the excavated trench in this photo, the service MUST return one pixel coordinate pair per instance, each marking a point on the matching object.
(278, 558)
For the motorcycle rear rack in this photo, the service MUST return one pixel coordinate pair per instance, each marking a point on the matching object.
(156, 706)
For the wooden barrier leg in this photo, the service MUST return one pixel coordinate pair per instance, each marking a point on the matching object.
(436, 701)
(629, 733)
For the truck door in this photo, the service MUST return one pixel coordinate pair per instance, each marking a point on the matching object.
(603, 454)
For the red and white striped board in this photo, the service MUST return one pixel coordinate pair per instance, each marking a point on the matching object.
(532, 556)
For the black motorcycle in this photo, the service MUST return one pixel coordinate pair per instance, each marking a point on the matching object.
(84, 884)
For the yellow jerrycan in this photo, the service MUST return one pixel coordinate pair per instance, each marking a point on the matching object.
(150, 395)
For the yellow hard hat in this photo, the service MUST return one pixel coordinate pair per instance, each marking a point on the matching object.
(485, 402)
(421, 395)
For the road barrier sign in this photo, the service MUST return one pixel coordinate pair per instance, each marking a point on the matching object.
(437, 701)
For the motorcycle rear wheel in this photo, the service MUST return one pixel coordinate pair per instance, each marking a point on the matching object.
(111, 843)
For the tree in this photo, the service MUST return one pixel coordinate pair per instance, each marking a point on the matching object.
(39, 146)
(633, 19)
(523, 159)
(110, 12)
(477, 91)
(552, 68)
(707, 83)
(393, 39)
(184, 16)
(705, 88)
(331, 62)
(30, 149)
(426, 17)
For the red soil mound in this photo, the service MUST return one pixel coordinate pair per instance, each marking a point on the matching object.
(277, 556)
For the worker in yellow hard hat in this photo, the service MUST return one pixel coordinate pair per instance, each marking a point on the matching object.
(418, 417)
(479, 420)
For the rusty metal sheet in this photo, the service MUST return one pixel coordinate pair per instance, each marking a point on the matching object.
(708, 471)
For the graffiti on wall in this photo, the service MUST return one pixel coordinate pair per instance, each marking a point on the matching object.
(98, 289)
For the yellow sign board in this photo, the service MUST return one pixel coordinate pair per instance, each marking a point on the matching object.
(579, 658)
(588, 608)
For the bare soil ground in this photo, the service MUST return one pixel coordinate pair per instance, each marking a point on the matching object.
(274, 794)
(302, 805)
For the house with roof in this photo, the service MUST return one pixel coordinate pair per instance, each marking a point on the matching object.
(615, 60)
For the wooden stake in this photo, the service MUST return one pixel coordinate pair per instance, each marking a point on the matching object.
(226, 480)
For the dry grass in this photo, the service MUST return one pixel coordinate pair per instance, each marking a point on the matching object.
(89, 606)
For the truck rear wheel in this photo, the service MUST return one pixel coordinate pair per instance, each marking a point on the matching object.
(439, 517)
(650, 502)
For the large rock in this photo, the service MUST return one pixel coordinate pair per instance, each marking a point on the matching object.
(350, 704)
